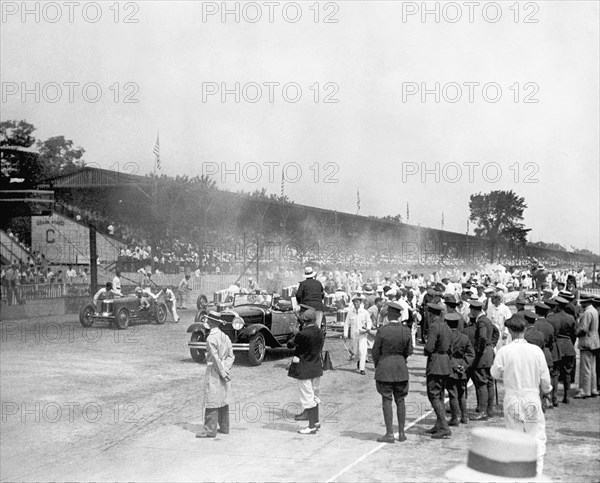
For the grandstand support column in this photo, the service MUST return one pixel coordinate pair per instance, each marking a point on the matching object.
(93, 261)
(257, 259)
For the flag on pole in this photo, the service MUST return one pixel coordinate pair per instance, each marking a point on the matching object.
(467, 226)
(407, 212)
(282, 185)
(357, 201)
(442, 219)
(156, 152)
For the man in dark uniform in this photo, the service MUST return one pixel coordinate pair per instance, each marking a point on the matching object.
(564, 325)
(532, 334)
(431, 297)
(520, 304)
(392, 347)
(484, 359)
(461, 358)
(437, 350)
(307, 368)
(310, 292)
(451, 308)
(572, 308)
(550, 349)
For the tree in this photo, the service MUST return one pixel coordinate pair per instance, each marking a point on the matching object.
(58, 156)
(498, 216)
(396, 218)
(16, 134)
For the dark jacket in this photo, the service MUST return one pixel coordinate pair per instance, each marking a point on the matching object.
(550, 349)
(564, 324)
(484, 343)
(461, 354)
(310, 292)
(393, 345)
(437, 350)
(309, 344)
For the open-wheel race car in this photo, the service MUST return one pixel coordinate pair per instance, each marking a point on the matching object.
(120, 311)
(253, 323)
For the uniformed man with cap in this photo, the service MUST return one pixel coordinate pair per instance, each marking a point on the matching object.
(520, 303)
(486, 337)
(461, 358)
(564, 325)
(392, 347)
(217, 380)
(452, 308)
(550, 350)
(532, 334)
(437, 350)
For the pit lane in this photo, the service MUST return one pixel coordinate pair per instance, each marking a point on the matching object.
(103, 405)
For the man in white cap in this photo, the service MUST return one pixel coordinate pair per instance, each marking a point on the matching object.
(522, 367)
(357, 325)
(310, 293)
(217, 381)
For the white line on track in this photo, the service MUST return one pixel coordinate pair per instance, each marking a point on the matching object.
(377, 448)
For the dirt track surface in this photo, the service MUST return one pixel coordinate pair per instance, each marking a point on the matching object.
(104, 405)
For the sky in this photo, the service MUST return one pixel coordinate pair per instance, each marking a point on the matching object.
(380, 98)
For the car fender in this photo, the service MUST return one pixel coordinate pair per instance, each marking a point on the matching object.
(249, 331)
(196, 327)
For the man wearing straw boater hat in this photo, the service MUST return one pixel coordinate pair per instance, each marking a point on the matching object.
(310, 293)
(217, 381)
(498, 455)
(522, 367)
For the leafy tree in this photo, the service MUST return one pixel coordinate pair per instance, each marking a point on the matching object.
(498, 216)
(58, 156)
(17, 134)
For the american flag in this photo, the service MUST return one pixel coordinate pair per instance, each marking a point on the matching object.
(407, 212)
(156, 152)
(357, 201)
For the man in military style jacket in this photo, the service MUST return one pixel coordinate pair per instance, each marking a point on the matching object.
(564, 325)
(461, 358)
(437, 350)
(393, 345)
(486, 339)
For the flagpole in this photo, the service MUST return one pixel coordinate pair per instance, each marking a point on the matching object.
(156, 152)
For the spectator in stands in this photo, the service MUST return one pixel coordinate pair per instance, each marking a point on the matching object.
(71, 275)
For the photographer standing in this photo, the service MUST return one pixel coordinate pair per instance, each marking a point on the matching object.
(307, 368)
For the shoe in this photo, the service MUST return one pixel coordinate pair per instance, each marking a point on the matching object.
(555, 404)
(442, 434)
(433, 430)
(454, 422)
(480, 417)
(464, 420)
(362, 373)
(477, 409)
(565, 400)
(206, 435)
(303, 416)
(223, 431)
(594, 395)
(580, 396)
(318, 426)
(386, 438)
(308, 430)
(178, 319)
(401, 437)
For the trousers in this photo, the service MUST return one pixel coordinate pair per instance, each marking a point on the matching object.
(457, 392)
(214, 417)
(361, 345)
(436, 388)
(587, 373)
(484, 385)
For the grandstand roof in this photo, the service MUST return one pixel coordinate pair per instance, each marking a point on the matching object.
(88, 177)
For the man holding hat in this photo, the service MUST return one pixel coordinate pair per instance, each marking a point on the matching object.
(564, 326)
(392, 347)
(310, 292)
(486, 338)
(357, 325)
(523, 369)
(461, 358)
(437, 350)
(307, 368)
(217, 381)
(589, 343)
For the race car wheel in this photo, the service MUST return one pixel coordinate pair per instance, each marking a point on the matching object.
(257, 349)
(123, 318)
(198, 354)
(161, 314)
(199, 315)
(201, 302)
(85, 315)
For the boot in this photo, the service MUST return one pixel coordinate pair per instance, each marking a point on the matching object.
(482, 416)
(401, 412)
(311, 429)
(463, 410)
(433, 429)
(567, 385)
(317, 422)
(388, 419)
(303, 416)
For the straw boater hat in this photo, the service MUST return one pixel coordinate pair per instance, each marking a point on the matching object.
(214, 318)
(309, 272)
(358, 296)
(498, 454)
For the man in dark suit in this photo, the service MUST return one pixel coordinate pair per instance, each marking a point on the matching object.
(461, 358)
(310, 293)
(307, 368)
(564, 325)
(392, 347)
(437, 350)
(484, 359)
(550, 349)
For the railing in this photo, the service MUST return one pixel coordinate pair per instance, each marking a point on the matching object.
(12, 249)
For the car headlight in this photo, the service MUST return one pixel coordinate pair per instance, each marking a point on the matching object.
(204, 322)
(238, 323)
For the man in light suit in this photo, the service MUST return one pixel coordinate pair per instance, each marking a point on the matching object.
(357, 325)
